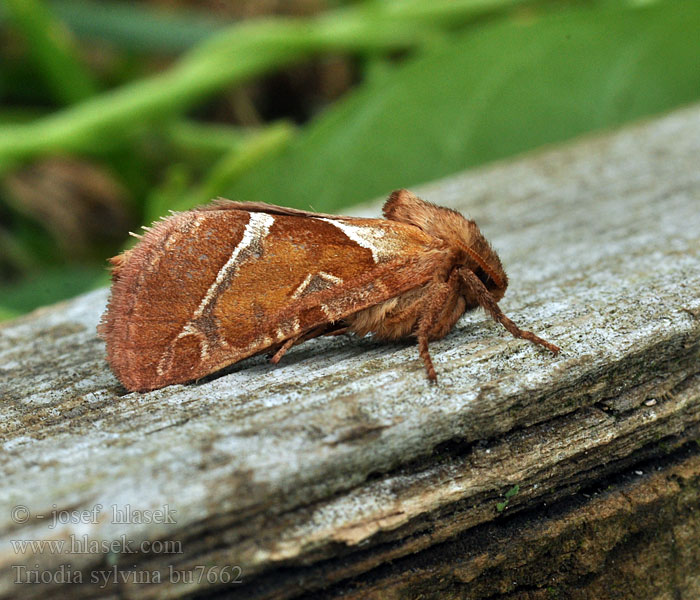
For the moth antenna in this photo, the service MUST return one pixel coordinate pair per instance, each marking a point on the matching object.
(482, 263)
(487, 301)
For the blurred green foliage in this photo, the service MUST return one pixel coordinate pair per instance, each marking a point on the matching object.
(109, 119)
(486, 94)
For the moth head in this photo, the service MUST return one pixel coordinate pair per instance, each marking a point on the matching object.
(489, 270)
(458, 232)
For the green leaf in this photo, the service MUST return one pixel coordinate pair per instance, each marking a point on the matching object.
(492, 92)
(501, 506)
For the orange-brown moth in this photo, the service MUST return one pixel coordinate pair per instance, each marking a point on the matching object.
(208, 287)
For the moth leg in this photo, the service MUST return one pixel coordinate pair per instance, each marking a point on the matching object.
(277, 356)
(432, 309)
(340, 331)
(424, 353)
(302, 337)
(451, 310)
(485, 299)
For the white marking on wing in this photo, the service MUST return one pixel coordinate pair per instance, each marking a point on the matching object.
(288, 328)
(166, 360)
(330, 277)
(257, 229)
(304, 284)
(365, 236)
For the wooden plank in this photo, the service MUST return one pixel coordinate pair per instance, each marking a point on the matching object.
(333, 469)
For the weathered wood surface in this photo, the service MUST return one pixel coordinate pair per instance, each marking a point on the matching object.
(343, 472)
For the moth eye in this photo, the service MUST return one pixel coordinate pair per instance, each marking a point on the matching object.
(489, 283)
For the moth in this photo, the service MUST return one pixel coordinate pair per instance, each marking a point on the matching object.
(208, 287)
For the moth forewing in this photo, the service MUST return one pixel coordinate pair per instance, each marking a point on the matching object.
(205, 289)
